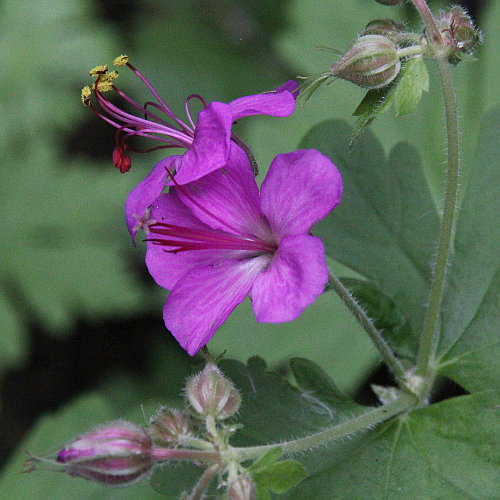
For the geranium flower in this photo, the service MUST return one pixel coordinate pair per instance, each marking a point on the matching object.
(216, 240)
(207, 143)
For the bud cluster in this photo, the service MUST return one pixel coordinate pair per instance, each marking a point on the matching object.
(121, 453)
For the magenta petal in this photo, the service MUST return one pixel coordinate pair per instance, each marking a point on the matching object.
(295, 278)
(205, 297)
(210, 148)
(279, 102)
(141, 197)
(167, 267)
(300, 189)
(231, 195)
(292, 86)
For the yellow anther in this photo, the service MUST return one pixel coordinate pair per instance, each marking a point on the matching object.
(105, 81)
(98, 70)
(120, 61)
(86, 93)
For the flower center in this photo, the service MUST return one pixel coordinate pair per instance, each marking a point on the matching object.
(182, 239)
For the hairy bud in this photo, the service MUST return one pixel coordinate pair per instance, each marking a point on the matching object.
(241, 488)
(118, 453)
(169, 425)
(385, 27)
(459, 31)
(211, 393)
(371, 62)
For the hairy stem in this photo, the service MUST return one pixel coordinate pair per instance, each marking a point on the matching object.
(430, 335)
(383, 347)
(203, 483)
(164, 454)
(429, 21)
(357, 424)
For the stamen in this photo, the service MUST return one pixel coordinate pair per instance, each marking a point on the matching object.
(186, 106)
(182, 239)
(151, 125)
(185, 239)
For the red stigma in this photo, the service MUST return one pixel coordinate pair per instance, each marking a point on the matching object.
(121, 160)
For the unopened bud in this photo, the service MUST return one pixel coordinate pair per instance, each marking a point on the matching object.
(371, 62)
(459, 30)
(211, 393)
(118, 453)
(241, 488)
(389, 2)
(385, 27)
(168, 425)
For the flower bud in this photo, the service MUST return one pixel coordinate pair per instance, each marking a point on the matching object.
(371, 62)
(385, 27)
(389, 2)
(168, 425)
(118, 453)
(459, 30)
(241, 488)
(210, 393)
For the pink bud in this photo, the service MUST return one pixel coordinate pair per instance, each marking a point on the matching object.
(118, 453)
(210, 393)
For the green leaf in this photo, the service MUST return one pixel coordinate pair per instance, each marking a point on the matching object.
(315, 381)
(278, 478)
(448, 450)
(470, 344)
(266, 460)
(413, 80)
(274, 411)
(386, 225)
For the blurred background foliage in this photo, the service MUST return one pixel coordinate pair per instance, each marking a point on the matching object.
(78, 309)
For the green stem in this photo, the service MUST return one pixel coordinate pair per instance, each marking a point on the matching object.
(414, 50)
(385, 351)
(429, 21)
(430, 334)
(345, 429)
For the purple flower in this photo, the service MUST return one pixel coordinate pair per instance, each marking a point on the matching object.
(216, 240)
(207, 143)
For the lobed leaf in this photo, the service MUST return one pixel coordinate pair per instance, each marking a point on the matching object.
(470, 343)
(386, 225)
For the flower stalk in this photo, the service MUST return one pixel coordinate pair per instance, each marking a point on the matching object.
(342, 430)
(429, 20)
(376, 337)
(430, 336)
